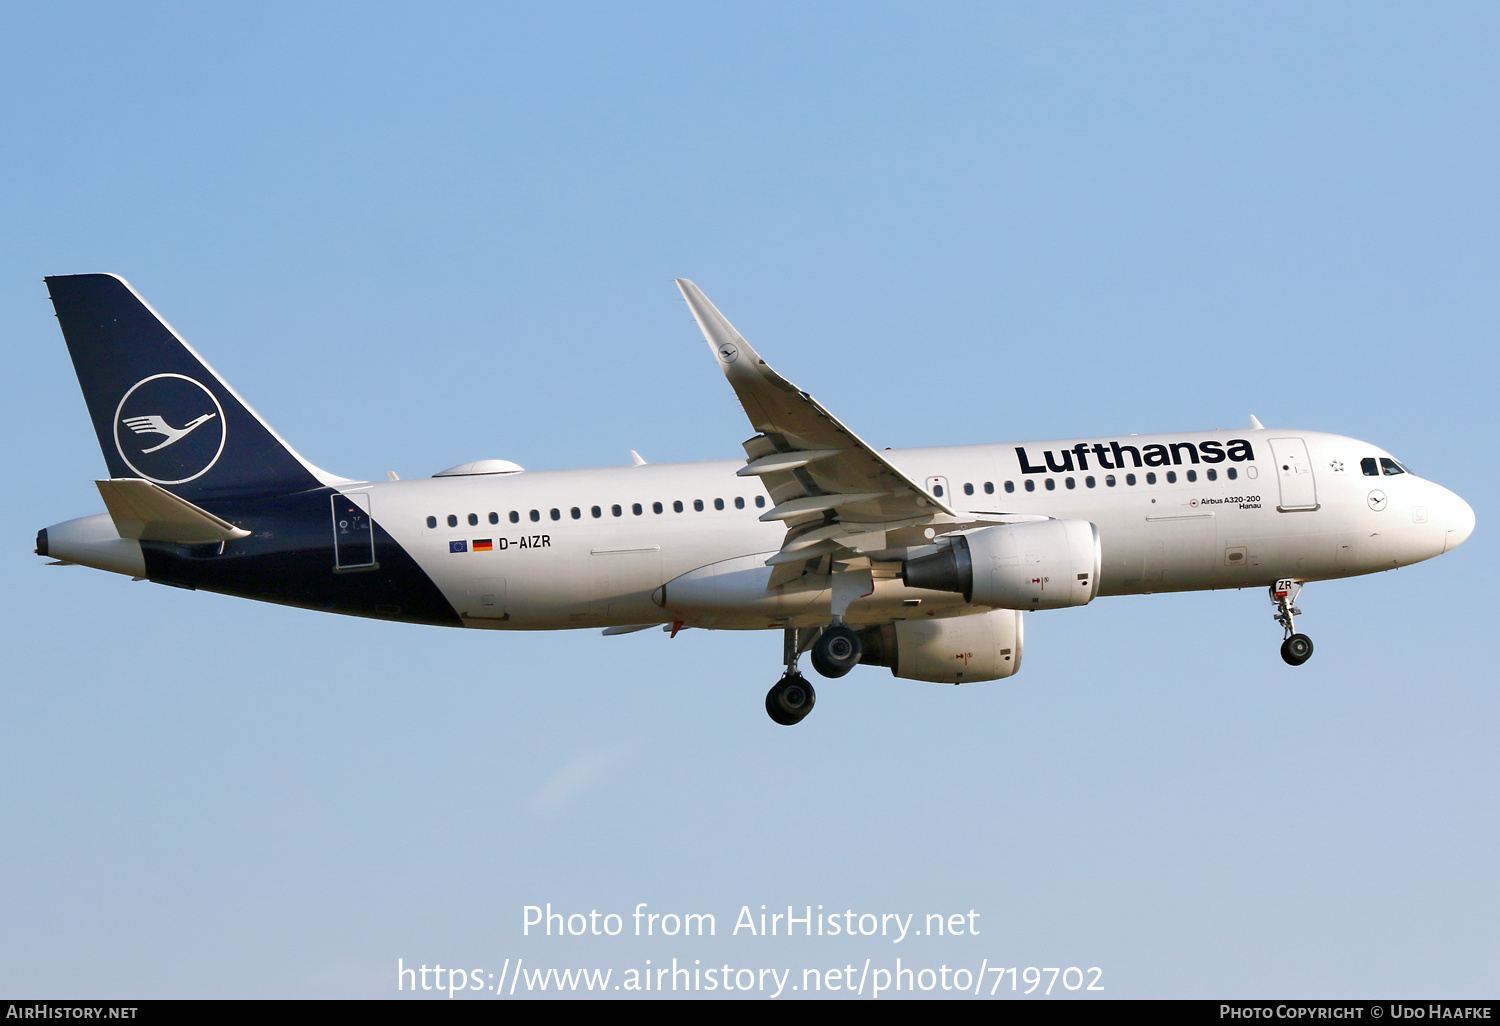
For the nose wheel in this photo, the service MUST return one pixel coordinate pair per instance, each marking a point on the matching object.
(1297, 648)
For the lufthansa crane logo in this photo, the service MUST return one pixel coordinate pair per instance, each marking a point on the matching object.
(169, 429)
(729, 352)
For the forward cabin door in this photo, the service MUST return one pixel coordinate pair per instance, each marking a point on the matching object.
(1294, 473)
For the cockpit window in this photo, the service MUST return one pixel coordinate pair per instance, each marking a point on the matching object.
(1391, 467)
(1368, 466)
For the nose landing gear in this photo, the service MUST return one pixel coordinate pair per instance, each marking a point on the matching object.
(791, 698)
(1297, 648)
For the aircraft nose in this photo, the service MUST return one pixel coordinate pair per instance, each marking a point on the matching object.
(1459, 522)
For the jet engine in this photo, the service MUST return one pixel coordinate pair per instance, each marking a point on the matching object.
(1047, 564)
(950, 650)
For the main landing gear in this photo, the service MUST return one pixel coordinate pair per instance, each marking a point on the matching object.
(835, 652)
(1297, 648)
(792, 697)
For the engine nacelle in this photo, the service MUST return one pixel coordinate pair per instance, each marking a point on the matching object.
(1047, 564)
(951, 650)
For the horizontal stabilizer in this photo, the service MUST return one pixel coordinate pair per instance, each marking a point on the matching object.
(148, 512)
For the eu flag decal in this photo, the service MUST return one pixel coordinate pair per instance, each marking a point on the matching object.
(458, 546)
(483, 545)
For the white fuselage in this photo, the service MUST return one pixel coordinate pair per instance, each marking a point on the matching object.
(1294, 505)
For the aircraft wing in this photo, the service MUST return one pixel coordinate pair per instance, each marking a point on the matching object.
(838, 496)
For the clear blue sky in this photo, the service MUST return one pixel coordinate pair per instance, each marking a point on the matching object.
(416, 236)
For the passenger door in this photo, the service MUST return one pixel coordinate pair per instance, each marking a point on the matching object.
(1294, 474)
(353, 534)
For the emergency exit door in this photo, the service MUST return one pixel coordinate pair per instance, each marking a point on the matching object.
(1294, 475)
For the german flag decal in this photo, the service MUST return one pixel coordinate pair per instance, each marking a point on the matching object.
(483, 545)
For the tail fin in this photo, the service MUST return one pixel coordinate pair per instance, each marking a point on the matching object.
(160, 412)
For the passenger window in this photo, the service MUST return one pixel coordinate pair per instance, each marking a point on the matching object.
(615, 510)
(1051, 485)
(577, 513)
(1089, 481)
(535, 515)
(1010, 486)
(1213, 475)
(473, 519)
(968, 489)
(1030, 485)
(1368, 466)
(1069, 482)
(515, 516)
(718, 504)
(760, 501)
(677, 506)
(635, 507)
(989, 488)
(556, 513)
(656, 507)
(432, 521)
(1231, 473)
(1151, 477)
(1391, 467)
(494, 518)
(1171, 477)
(597, 512)
(1109, 479)
(1130, 479)
(739, 502)
(698, 505)
(1192, 475)
(452, 520)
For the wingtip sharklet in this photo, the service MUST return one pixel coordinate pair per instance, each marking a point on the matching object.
(717, 331)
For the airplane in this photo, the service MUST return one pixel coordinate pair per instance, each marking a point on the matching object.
(919, 560)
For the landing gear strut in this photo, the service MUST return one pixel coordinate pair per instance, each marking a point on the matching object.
(1297, 648)
(792, 697)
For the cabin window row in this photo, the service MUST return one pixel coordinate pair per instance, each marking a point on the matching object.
(1109, 480)
(598, 512)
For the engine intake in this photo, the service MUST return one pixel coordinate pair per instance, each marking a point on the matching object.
(1049, 564)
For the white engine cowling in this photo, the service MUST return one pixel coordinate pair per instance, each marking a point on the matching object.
(950, 650)
(1048, 564)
